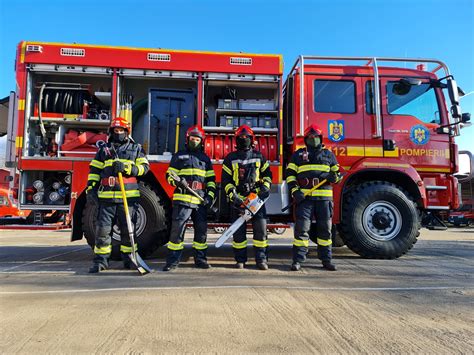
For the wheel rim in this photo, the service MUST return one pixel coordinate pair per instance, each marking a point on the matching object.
(382, 221)
(139, 226)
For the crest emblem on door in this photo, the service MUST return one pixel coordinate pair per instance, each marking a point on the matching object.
(336, 130)
(419, 134)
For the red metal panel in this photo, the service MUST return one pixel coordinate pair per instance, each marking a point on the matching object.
(50, 164)
(136, 58)
(218, 148)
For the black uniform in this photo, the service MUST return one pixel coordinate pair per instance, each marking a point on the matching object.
(103, 181)
(196, 168)
(307, 167)
(248, 171)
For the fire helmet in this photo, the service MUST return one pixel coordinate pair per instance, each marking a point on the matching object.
(195, 131)
(314, 130)
(245, 130)
(119, 122)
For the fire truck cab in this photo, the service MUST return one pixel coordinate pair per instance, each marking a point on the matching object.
(393, 135)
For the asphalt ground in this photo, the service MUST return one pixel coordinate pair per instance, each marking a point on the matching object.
(422, 302)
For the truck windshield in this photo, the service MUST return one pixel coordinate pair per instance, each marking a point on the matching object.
(413, 100)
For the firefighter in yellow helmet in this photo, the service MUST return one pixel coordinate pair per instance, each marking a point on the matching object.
(120, 154)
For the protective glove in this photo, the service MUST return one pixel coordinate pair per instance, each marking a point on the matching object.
(208, 200)
(264, 193)
(91, 196)
(182, 183)
(237, 201)
(118, 167)
(331, 177)
(298, 196)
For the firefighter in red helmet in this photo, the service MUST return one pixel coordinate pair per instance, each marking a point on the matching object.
(119, 154)
(245, 171)
(308, 167)
(194, 168)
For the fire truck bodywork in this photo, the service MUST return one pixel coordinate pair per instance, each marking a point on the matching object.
(359, 107)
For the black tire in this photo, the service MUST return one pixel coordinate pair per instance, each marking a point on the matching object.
(152, 228)
(379, 220)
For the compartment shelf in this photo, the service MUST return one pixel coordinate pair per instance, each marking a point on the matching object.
(257, 130)
(73, 121)
(225, 111)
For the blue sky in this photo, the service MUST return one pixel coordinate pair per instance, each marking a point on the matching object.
(405, 28)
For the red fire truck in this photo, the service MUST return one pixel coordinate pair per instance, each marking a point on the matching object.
(389, 126)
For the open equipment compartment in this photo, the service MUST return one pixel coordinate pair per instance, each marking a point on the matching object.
(163, 108)
(229, 104)
(67, 111)
(45, 189)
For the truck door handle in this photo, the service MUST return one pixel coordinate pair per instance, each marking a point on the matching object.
(389, 144)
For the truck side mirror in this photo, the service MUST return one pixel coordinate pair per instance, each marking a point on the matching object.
(453, 91)
(465, 117)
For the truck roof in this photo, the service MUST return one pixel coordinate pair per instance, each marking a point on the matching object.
(149, 58)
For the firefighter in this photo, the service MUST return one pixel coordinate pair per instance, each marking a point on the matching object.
(308, 167)
(245, 171)
(120, 154)
(195, 170)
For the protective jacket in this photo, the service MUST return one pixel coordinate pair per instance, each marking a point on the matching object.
(103, 179)
(196, 168)
(309, 166)
(245, 171)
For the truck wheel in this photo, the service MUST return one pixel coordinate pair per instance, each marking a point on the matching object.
(151, 227)
(379, 220)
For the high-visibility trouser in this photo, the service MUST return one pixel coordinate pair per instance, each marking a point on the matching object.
(260, 239)
(180, 216)
(322, 210)
(110, 214)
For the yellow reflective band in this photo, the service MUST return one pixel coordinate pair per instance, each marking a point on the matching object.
(193, 171)
(199, 246)
(267, 185)
(210, 173)
(103, 250)
(211, 184)
(174, 246)
(241, 245)
(88, 189)
(312, 167)
(118, 194)
(211, 193)
(93, 177)
(141, 161)
(126, 249)
(235, 175)
(227, 170)
(318, 193)
(265, 166)
(267, 178)
(260, 243)
(324, 242)
(291, 178)
(257, 171)
(173, 170)
(141, 170)
(335, 167)
(128, 167)
(294, 189)
(96, 164)
(300, 243)
(292, 166)
(110, 162)
(186, 198)
(228, 187)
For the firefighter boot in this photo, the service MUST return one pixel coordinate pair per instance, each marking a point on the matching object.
(328, 265)
(200, 259)
(262, 265)
(101, 263)
(240, 265)
(172, 260)
(296, 266)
